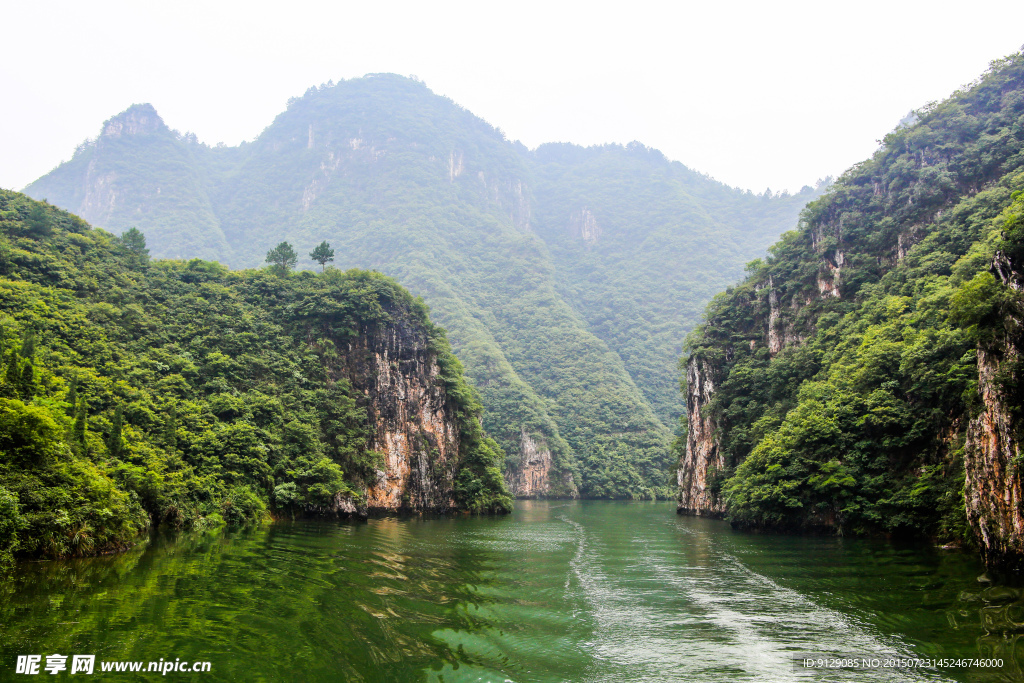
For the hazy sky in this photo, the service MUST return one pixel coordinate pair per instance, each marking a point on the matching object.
(756, 94)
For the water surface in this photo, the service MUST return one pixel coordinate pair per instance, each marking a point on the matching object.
(558, 591)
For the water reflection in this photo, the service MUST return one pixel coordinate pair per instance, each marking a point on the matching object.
(997, 612)
(558, 592)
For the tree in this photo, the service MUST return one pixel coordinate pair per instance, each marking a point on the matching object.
(27, 385)
(39, 223)
(282, 258)
(171, 429)
(322, 254)
(135, 242)
(28, 343)
(114, 443)
(78, 430)
(13, 376)
(72, 396)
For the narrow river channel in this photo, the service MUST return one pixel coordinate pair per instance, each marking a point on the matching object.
(558, 591)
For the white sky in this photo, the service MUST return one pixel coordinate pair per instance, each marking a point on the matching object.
(757, 94)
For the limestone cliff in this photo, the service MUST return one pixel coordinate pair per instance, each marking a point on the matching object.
(994, 493)
(139, 119)
(776, 323)
(415, 421)
(701, 458)
(167, 198)
(864, 377)
(537, 476)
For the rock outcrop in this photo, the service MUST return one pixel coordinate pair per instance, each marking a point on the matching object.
(532, 478)
(583, 226)
(994, 491)
(537, 475)
(702, 457)
(138, 119)
(416, 426)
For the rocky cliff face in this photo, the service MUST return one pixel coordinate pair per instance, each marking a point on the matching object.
(139, 119)
(102, 191)
(532, 479)
(994, 490)
(776, 325)
(166, 198)
(775, 329)
(416, 426)
(583, 226)
(536, 476)
(702, 458)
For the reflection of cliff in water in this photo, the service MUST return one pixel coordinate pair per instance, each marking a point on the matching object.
(997, 612)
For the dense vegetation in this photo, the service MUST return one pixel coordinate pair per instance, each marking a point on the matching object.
(138, 392)
(568, 339)
(668, 240)
(879, 301)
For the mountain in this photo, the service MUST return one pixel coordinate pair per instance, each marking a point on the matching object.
(566, 277)
(864, 377)
(140, 392)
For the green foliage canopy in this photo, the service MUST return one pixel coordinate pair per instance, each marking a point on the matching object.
(566, 276)
(881, 297)
(183, 393)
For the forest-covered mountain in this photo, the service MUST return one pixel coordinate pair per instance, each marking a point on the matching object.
(865, 376)
(566, 277)
(137, 392)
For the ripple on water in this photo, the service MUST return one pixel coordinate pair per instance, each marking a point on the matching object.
(588, 592)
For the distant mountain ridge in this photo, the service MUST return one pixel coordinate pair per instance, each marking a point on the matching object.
(567, 277)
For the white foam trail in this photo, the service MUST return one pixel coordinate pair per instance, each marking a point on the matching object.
(728, 624)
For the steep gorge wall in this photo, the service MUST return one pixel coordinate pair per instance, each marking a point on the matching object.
(701, 458)
(992, 454)
(416, 428)
(536, 475)
(777, 320)
(875, 306)
(562, 348)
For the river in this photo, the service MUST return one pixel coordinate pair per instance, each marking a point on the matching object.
(557, 591)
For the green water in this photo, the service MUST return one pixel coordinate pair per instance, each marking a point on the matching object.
(589, 591)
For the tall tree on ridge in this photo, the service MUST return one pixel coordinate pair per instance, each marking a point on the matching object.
(135, 242)
(282, 258)
(322, 254)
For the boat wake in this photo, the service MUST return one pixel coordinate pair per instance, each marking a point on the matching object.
(694, 612)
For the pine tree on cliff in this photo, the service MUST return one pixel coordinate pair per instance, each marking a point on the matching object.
(282, 259)
(322, 254)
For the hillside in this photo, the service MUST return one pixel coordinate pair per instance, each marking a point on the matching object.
(139, 392)
(565, 277)
(863, 377)
(640, 245)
